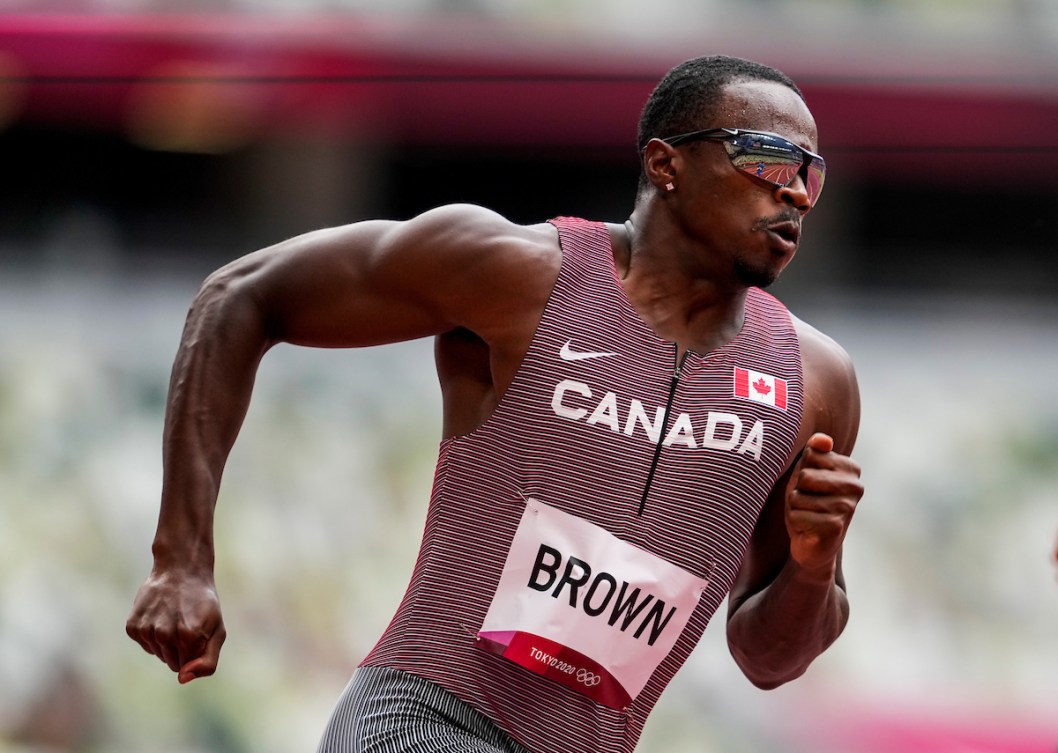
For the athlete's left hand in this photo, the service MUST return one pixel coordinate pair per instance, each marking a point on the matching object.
(821, 498)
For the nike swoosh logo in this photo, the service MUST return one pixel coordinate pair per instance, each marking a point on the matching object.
(568, 354)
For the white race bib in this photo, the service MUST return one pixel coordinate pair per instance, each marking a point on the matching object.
(581, 607)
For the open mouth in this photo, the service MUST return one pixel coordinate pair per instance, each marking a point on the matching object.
(788, 231)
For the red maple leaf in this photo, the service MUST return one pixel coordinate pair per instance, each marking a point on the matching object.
(761, 386)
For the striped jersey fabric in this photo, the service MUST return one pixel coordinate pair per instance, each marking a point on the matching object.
(578, 429)
(385, 710)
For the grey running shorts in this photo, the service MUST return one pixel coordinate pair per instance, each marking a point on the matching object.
(384, 710)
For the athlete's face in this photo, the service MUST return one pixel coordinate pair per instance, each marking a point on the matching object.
(754, 224)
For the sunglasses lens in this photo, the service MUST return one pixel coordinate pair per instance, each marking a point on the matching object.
(817, 173)
(775, 160)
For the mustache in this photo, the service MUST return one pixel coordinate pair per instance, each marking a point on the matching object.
(788, 214)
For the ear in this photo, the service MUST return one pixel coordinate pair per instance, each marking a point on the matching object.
(661, 163)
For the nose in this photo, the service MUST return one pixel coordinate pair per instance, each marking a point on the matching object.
(794, 194)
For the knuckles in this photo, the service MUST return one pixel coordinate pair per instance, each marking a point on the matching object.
(831, 482)
(805, 521)
(831, 461)
(838, 506)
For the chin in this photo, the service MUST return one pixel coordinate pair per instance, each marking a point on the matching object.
(756, 276)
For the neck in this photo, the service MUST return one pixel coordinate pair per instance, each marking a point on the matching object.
(671, 285)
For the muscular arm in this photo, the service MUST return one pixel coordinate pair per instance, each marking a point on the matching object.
(363, 284)
(788, 603)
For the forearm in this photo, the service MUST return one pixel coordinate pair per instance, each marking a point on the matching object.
(775, 634)
(209, 392)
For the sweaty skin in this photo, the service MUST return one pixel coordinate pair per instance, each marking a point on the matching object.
(479, 284)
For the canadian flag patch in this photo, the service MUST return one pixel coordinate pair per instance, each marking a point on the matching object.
(760, 388)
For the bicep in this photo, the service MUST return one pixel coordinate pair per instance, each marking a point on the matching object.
(375, 282)
(832, 394)
(343, 287)
(844, 406)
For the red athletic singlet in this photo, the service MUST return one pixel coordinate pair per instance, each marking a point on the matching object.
(579, 429)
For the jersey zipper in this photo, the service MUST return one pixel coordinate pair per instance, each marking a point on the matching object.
(673, 383)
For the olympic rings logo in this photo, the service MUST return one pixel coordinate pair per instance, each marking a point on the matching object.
(589, 679)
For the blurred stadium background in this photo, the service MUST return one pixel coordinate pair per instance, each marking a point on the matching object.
(145, 142)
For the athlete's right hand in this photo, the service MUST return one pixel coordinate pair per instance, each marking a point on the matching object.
(177, 618)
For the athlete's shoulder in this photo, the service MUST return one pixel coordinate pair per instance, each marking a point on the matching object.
(820, 349)
(470, 226)
(492, 274)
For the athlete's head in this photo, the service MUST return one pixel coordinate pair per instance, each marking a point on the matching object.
(741, 200)
(686, 98)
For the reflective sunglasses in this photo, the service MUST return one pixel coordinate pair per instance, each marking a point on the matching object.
(764, 155)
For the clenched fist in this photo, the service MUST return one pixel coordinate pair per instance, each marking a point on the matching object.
(821, 498)
(177, 618)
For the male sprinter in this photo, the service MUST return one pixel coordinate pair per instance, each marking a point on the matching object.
(633, 431)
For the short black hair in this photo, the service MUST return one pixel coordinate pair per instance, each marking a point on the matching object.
(685, 98)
